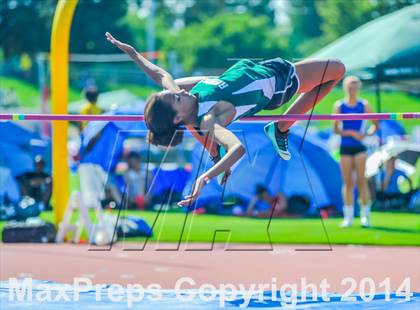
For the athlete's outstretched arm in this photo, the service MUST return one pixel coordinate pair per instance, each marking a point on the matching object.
(156, 73)
(235, 150)
(159, 75)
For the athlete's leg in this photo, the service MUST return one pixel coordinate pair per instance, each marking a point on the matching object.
(317, 78)
(362, 185)
(347, 166)
(363, 188)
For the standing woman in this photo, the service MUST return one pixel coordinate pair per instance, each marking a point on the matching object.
(353, 151)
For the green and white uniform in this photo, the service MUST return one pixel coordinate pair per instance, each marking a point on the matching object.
(250, 86)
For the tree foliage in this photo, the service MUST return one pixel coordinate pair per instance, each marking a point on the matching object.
(227, 36)
(202, 9)
(342, 16)
(305, 25)
(91, 20)
(315, 23)
(212, 31)
(25, 26)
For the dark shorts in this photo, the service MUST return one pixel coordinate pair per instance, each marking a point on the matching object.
(352, 150)
(287, 81)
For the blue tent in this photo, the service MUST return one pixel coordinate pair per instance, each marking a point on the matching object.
(102, 144)
(110, 138)
(19, 146)
(8, 186)
(313, 173)
(389, 129)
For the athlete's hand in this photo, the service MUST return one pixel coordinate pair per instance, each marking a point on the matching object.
(358, 136)
(197, 187)
(122, 46)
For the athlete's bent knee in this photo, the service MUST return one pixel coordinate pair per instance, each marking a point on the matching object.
(338, 67)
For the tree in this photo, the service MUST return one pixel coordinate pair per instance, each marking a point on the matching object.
(137, 28)
(305, 25)
(315, 23)
(202, 9)
(25, 26)
(211, 43)
(91, 20)
(342, 16)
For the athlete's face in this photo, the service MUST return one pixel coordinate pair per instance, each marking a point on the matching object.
(183, 102)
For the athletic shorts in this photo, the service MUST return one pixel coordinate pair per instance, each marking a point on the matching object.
(352, 150)
(287, 81)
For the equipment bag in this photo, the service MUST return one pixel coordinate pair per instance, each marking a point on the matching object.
(38, 232)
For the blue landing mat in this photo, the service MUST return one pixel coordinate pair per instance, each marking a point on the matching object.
(47, 295)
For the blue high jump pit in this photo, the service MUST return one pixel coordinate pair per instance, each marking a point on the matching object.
(47, 295)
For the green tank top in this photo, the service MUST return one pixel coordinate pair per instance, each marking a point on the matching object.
(248, 85)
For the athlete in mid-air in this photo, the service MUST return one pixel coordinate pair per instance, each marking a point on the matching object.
(206, 105)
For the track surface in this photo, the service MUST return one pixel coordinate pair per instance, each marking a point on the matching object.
(63, 262)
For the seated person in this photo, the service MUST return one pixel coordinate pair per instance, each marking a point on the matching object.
(265, 205)
(112, 196)
(391, 177)
(389, 184)
(135, 180)
(37, 184)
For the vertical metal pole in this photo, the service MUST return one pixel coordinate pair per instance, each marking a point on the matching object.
(60, 37)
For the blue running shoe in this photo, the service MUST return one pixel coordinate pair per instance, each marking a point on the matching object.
(279, 140)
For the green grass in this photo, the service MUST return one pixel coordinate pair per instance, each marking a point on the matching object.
(398, 102)
(387, 229)
(28, 94)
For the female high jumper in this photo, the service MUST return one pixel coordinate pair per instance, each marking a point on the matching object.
(206, 105)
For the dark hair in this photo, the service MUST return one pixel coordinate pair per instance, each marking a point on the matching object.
(260, 189)
(159, 117)
(91, 94)
(133, 155)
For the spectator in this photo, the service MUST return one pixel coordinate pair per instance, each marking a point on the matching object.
(135, 180)
(390, 193)
(353, 151)
(112, 196)
(37, 184)
(262, 204)
(392, 175)
(90, 108)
